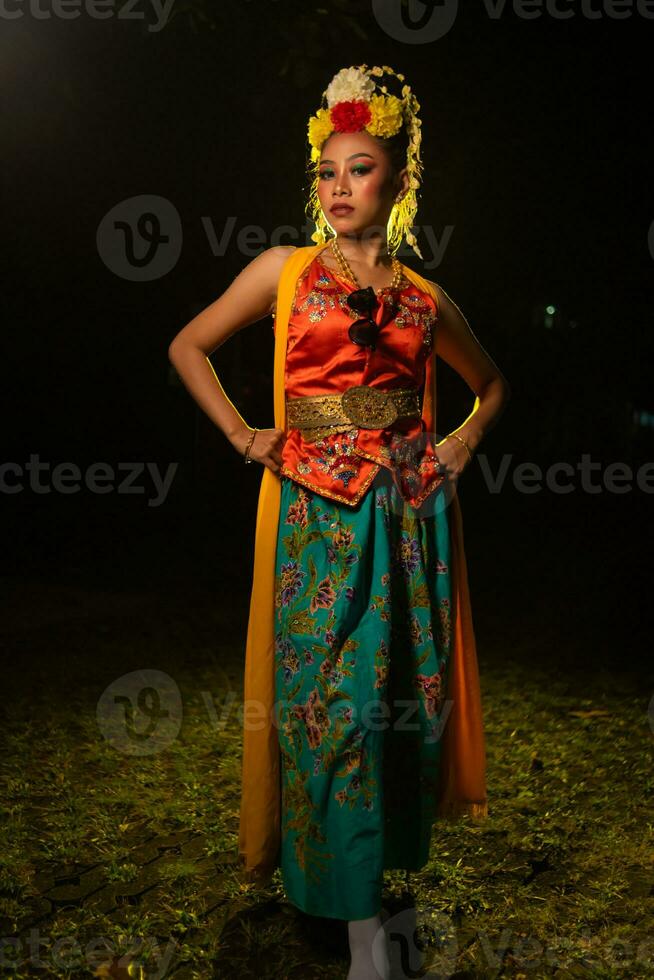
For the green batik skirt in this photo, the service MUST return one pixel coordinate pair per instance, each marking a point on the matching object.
(363, 635)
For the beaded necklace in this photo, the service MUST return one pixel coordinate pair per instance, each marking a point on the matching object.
(348, 274)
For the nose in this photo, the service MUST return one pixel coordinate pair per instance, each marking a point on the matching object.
(340, 188)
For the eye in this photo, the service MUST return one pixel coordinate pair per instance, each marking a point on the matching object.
(359, 169)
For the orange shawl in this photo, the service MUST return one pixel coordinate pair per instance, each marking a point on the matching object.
(463, 761)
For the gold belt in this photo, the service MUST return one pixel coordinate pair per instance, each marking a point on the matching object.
(359, 406)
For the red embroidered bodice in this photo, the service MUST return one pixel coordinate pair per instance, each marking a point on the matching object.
(321, 359)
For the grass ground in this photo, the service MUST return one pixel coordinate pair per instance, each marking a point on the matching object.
(103, 853)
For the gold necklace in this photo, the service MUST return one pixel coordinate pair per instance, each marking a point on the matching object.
(348, 274)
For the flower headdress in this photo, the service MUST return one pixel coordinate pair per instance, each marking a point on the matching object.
(353, 101)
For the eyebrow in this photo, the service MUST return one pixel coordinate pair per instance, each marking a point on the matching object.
(352, 157)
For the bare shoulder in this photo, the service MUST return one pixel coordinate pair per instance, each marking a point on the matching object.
(439, 293)
(447, 309)
(275, 258)
(279, 253)
(435, 285)
(458, 346)
(248, 298)
(260, 277)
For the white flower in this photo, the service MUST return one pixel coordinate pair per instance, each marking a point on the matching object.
(348, 85)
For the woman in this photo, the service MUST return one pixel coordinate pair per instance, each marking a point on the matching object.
(362, 711)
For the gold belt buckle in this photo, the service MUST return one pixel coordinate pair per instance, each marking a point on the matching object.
(369, 408)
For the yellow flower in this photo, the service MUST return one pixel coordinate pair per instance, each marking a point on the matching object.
(320, 127)
(386, 115)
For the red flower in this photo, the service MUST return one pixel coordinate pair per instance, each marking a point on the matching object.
(350, 117)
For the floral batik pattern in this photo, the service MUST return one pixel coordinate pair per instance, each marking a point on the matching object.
(363, 635)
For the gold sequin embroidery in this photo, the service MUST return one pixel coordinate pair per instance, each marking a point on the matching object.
(325, 295)
(413, 310)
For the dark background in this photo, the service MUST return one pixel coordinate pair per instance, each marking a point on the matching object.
(537, 152)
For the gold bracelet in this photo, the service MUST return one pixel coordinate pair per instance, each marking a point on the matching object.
(249, 445)
(462, 441)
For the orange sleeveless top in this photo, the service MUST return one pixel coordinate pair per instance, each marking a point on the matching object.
(321, 359)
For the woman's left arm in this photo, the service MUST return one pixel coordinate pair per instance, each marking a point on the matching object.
(458, 346)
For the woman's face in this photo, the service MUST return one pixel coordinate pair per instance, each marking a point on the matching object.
(355, 171)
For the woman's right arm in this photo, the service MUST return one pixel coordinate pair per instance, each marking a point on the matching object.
(250, 297)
